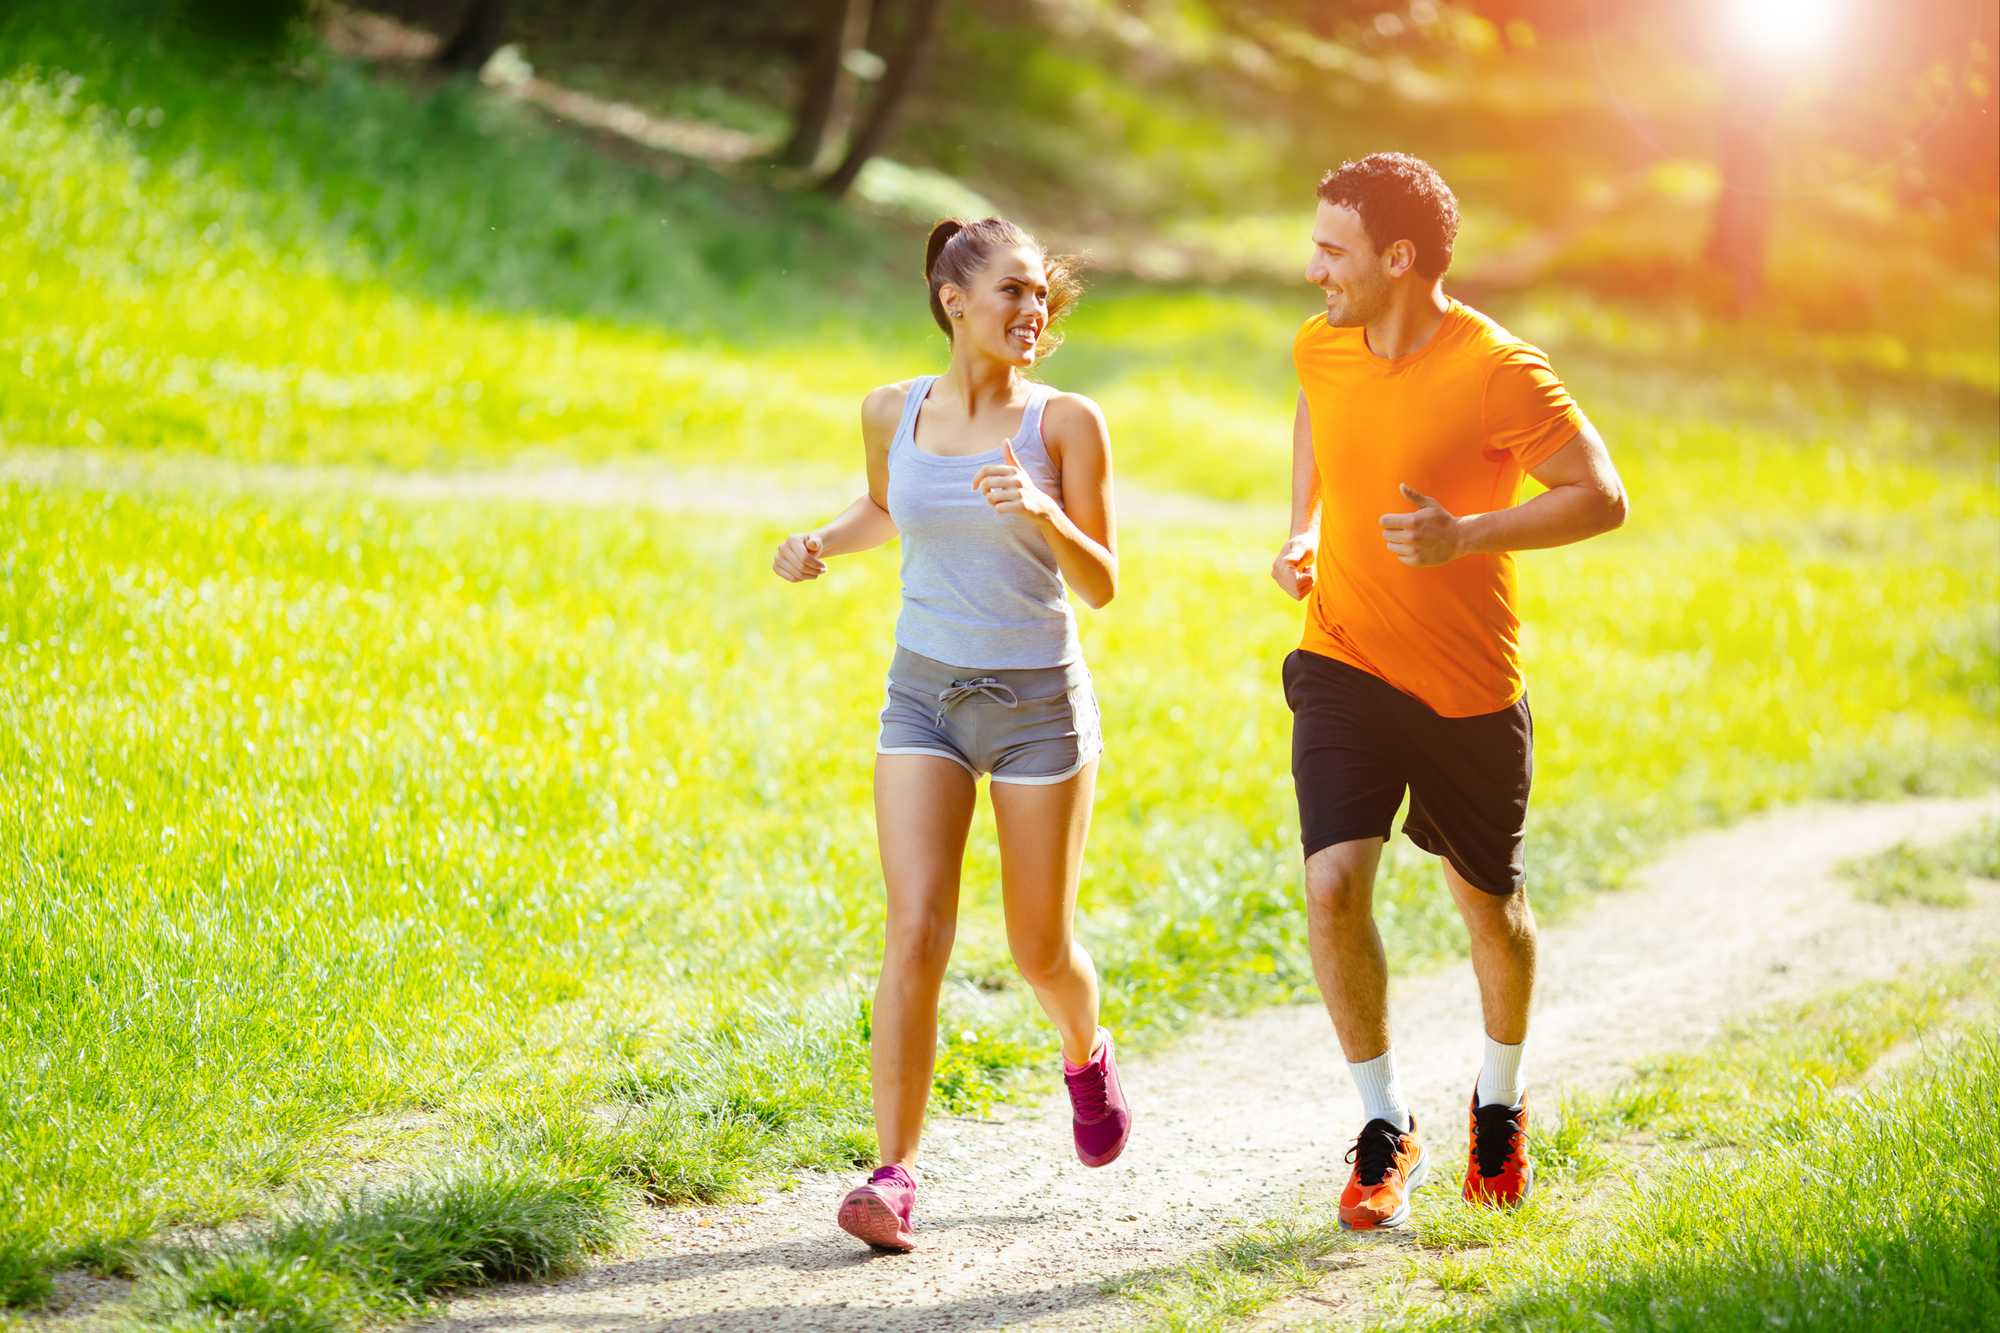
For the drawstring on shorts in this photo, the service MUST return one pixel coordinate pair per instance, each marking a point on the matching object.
(989, 686)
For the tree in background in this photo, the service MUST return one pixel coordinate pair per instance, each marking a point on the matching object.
(1810, 91)
(480, 33)
(1904, 87)
(1739, 231)
(919, 21)
(827, 92)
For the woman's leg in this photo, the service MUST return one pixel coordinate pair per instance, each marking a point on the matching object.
(923, 809)
(1042, 831)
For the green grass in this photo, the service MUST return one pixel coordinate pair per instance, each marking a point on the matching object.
(341, 832)
(488, 809)
(1763, 1128)
(25, 1260)
(404, 282)
(1935, 875)
(1239, 1277)
(362, 1260)
(1881, 1211)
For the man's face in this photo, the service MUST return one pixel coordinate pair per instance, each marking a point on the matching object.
(1346, 266)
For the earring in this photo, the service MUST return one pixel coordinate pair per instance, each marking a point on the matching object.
(958, 314)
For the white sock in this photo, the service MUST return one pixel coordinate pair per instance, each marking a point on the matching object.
(1500, 1075)
(1381, 1095)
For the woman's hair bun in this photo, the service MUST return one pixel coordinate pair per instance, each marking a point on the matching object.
(941, 236)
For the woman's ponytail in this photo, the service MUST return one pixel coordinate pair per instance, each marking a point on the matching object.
(941, 236)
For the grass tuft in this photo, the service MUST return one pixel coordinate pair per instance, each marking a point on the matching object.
(1936, 876)
(389, 1255)
(25, 1260)
(1239, 1276)
(107, 1255)
(266, 1291)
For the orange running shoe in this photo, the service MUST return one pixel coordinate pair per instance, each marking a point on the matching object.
(1497, 1170)
(1388, 1164)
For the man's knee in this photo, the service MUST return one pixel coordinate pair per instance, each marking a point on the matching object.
(1340, 880)
(1503, 919)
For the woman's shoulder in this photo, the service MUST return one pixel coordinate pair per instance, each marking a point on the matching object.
(882, 409)
(1073, 416)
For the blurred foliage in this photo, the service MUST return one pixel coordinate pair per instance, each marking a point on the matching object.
(318, 160)
(195, 28)
(324, 806)
(1167, 136)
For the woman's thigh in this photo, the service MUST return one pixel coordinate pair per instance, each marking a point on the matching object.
(1042, 829)
(923, 811)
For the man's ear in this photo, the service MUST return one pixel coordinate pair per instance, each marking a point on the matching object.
(1400, 257)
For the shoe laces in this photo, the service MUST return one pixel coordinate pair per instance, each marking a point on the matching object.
(1374, 1151)
(892, 1175)
(1495, 1131)
(1089, 1091)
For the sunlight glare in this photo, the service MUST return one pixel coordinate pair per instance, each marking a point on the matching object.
(1784, 28)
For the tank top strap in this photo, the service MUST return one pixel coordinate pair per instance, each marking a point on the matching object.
(913, 403)
(1030, 434)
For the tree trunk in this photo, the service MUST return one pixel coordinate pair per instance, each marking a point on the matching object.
(888, 99)
(1740, 231)
(826, 98)
(479, 35)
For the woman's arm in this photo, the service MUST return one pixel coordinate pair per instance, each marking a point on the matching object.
(865, 524)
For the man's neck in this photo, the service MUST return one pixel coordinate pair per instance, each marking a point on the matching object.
(1409, 323)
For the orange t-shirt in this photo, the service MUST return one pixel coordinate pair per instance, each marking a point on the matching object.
(1461, 419)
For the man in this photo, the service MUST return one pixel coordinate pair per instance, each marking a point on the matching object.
(1417, 419)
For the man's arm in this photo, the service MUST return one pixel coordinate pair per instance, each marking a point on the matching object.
(1584, 498)
(1305, 471)
(1293, 569)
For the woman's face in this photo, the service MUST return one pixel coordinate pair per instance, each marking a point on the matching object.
(1006, 307)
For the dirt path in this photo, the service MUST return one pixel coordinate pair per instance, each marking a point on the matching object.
(740, 492)
(1248, 1115)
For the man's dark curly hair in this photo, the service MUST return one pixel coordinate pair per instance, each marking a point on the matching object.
(1399, 198)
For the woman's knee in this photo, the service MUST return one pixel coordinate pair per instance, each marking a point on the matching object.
(1045, 962)
(919, 940)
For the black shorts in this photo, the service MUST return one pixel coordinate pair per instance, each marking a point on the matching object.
(1358, 741)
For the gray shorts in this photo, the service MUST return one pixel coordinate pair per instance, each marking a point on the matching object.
(1035, 725)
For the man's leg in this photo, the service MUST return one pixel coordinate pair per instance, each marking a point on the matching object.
(1353, 975)
(1497, 1169)
(1503, 958)
(1347, 957)
(1346, 770)
(1469, 789)
(1353, 971)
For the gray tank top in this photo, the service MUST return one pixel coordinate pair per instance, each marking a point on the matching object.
(980, 588)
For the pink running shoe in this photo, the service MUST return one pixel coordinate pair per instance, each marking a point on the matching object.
(879, 1212)
(1102, 1120)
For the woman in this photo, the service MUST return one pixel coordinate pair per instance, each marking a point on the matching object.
(987, 678)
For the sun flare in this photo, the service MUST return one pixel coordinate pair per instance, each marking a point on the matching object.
(1784, 28)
